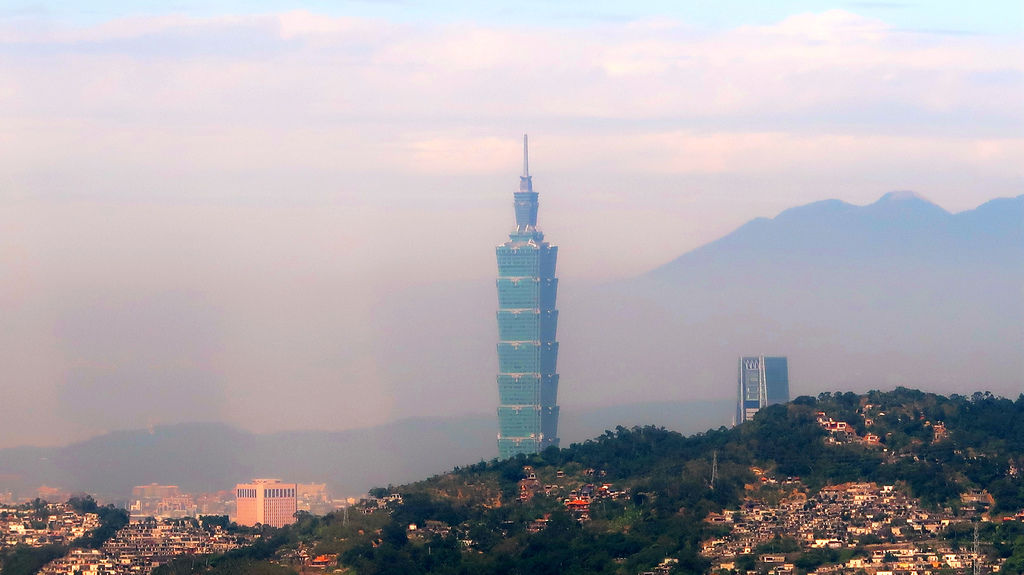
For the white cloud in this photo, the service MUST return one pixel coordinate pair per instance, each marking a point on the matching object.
(300, 91)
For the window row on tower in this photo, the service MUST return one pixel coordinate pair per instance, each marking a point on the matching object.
(527, 389)
(522, 260)
(527, 357)
(527, 293)
(527, 325)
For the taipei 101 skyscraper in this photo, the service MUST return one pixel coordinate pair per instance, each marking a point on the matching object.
(527, 319)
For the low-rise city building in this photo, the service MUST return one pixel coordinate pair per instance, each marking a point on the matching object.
(265, 502)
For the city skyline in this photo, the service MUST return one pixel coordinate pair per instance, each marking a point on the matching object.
(201, 203)
(252, 321)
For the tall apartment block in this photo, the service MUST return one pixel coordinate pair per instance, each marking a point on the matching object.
(527, 320)
(762, 381)
(265, 501)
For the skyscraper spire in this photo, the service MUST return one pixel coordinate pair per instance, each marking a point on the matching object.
(526, 157)
(527, 323)
(525, 180)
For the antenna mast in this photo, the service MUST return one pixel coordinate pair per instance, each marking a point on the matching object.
(526, 157)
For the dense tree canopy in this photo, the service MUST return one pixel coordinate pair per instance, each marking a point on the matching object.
(668, 478)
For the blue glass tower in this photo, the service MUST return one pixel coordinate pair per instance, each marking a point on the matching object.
(762, 381)
(527, 320)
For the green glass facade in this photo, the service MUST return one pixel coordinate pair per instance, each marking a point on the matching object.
(527, 322)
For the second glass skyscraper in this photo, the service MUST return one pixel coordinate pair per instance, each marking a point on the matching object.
(762, 381)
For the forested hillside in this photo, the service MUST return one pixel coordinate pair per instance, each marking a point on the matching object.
(636, 500)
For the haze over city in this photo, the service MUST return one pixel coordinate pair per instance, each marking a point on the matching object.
(286, 219)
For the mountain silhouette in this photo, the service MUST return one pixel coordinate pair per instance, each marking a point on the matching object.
(898, 292)
(205, 457)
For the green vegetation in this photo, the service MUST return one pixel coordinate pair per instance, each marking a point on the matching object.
(251, 559)
(472, 521)
(226, 566)
(111, 519)
(25, 560)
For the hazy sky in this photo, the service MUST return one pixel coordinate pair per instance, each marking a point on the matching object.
(207, 207)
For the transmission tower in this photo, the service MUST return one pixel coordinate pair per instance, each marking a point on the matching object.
(977, 564)
(714, 469)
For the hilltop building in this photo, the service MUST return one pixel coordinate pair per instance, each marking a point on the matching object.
(265, 501)
(762, 381)
(527, 320)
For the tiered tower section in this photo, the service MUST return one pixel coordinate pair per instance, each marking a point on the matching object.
(527, 320)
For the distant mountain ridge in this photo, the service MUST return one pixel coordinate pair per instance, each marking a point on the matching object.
(898, 292)
(903, 224)
(203, 457)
